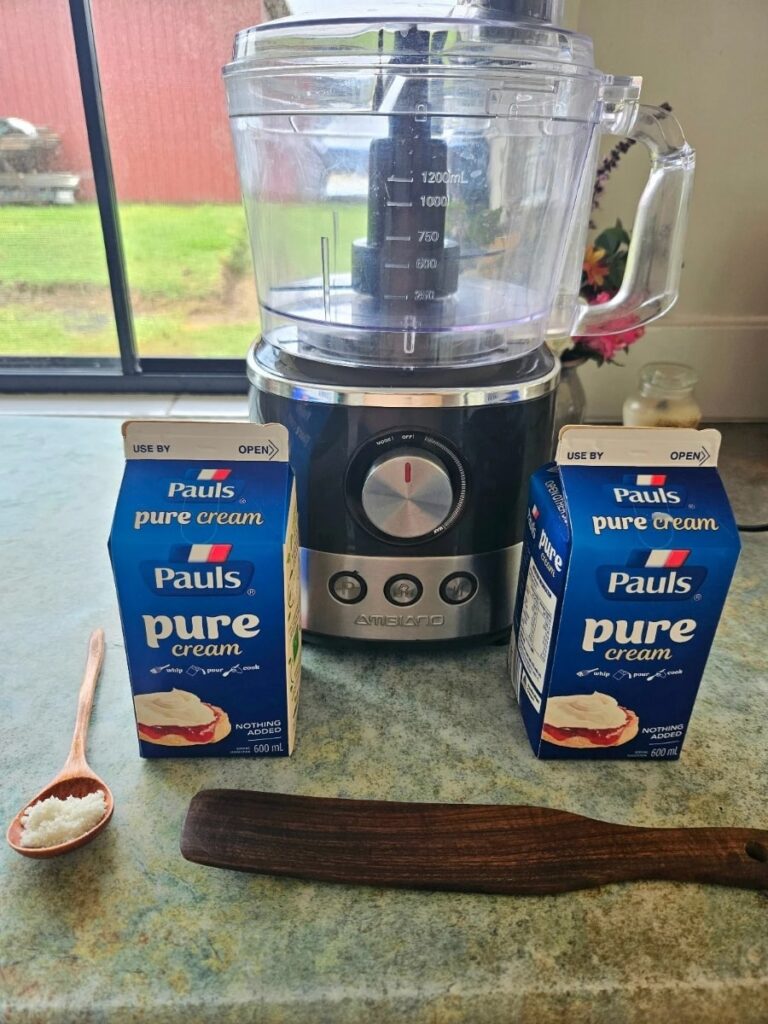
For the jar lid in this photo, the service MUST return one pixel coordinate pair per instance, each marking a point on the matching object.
(668, 377)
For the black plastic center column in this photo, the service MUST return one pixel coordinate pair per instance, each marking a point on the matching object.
(406, 260)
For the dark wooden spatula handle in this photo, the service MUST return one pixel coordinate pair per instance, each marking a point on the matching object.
(465, 847)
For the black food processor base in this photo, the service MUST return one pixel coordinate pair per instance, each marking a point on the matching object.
(411, 504)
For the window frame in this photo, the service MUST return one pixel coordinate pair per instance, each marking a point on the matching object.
(127, 371)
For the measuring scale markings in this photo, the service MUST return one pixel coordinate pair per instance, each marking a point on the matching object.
(406, 259)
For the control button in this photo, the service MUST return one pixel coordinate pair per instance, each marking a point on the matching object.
(403, 590)
(407, 493)
(458, 588)
(347, 587)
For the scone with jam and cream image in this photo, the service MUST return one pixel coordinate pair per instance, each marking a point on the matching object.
(588, 720)
(177, 718)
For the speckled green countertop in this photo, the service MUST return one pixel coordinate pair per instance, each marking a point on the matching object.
(126, 930)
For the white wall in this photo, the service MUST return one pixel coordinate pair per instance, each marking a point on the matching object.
(707, 58)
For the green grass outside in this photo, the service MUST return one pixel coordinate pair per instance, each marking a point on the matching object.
(185, 264)
(30, 333)
(170, 250)
(189, 272)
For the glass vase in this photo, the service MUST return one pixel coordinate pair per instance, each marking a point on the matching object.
(571, 399)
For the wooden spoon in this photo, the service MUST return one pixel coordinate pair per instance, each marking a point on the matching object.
(460, 847)
(76, 777)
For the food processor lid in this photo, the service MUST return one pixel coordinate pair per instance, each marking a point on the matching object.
(496, 29)
(544, 10)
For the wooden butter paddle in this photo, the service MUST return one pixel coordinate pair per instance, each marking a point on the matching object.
(463, 847)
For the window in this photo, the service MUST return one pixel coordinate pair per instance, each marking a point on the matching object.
(124, 261)
(55, 299)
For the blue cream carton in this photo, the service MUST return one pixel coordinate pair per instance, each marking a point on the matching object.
(205, 555)
(630, 546)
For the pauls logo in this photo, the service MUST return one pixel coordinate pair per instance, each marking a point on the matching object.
(646, 479)
(647, 489)
(663, 573)
(532, 515)
(193, 569)
(204, 485)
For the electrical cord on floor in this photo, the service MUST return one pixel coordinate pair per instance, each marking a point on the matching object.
(758, 528)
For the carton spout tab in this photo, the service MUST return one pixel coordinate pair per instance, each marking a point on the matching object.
(179, 439)
(637, 446)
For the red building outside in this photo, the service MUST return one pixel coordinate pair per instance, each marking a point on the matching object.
(160, 65)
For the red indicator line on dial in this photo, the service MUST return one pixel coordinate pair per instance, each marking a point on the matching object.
(407, 472)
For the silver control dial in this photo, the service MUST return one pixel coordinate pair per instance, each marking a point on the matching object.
(407, 493)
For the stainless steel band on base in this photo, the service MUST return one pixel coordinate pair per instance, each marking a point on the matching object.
(397, 598)
(265, 374)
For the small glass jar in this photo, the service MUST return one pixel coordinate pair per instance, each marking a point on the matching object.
(665, 398)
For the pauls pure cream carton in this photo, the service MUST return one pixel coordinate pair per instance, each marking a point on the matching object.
(205, 555)
(630, 546)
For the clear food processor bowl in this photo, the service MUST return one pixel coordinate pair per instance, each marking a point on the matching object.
(417, 185)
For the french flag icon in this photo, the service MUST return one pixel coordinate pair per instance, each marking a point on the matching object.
(661, 558)
(650, 479)
(213, 474)
(200, 552)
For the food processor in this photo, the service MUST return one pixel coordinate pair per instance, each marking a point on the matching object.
(417, 180)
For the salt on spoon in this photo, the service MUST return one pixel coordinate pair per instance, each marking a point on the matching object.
(78, 792)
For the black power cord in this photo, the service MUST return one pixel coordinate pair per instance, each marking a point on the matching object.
(758, 528)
